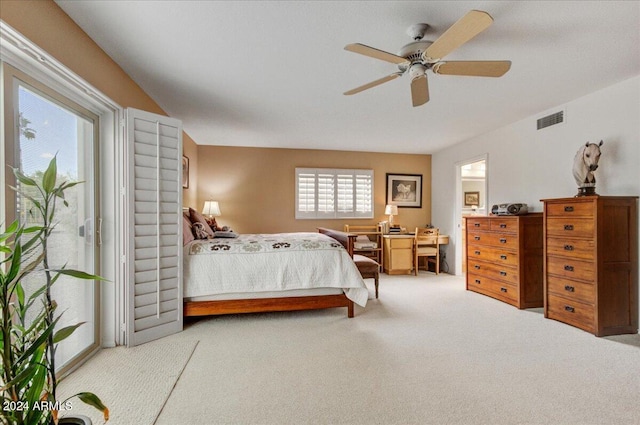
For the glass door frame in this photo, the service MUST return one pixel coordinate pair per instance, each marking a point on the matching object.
(12, 79)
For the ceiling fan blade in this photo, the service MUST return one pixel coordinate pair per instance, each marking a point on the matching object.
(375, 53)
(419, 90)
(473, 68)
(467, 27)
(373, 83)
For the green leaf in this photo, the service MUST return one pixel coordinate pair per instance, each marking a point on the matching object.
(49, 177)
(92, 400)
(16, 259)
(20, 294)
(78, 274)
(24, 179)
(66, 332)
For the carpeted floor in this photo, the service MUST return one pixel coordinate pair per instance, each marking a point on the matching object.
(426, 352)
(133, 383)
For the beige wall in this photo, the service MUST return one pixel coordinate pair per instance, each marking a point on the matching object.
(45, 24)
(256, 186)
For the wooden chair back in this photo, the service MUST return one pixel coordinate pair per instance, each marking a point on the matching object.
(426, 244)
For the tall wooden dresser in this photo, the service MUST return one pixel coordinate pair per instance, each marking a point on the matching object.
(591, 263)
(504, 258)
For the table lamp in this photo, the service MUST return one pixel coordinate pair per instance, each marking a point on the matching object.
(211, 209)
(391, 210)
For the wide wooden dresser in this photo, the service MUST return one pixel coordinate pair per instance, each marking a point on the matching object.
(591, 263)
(504, 257)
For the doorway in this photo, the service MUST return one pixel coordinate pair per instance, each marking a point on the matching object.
(472, 196)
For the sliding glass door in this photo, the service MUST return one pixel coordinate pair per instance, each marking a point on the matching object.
(48, 125)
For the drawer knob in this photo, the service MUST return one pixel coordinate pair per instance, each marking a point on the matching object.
(503, 273)
(568, 227)
(568, 247)
(476, 238)
(568, 208)
(569, 308)
(503, 289)
(477, 267)
(503, 226)
(569, 288)
(568, 268)
(503, 240)
(476, 224)
(477, 252)
(478, 281)
(503, 257)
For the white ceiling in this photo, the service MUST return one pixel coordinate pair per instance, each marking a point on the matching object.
(272, 73)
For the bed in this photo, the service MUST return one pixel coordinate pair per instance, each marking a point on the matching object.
(270, 272)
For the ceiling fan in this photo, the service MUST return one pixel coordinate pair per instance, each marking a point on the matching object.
(421, 55)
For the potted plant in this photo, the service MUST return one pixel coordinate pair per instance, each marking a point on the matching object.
(28, 333)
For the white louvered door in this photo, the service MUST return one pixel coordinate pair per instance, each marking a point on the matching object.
(154, 215)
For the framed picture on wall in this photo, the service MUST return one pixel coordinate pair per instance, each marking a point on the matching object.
(404, 190)
(185, 172)
(471, 198)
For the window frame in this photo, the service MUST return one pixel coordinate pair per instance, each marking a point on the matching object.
(336, 181)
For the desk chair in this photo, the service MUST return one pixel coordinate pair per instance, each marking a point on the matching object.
(426, 245)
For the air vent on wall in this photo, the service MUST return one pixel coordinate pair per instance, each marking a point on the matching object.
(549, 120)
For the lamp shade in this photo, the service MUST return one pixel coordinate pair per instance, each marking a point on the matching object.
(211, 208)
(391, 209)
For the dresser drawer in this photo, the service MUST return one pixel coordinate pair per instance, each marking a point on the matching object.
(570, 209)
(504, 224)
(570, 227)
(570, 268)
(506, 241)
(478, 224)
(488, 253)
(572, 289)
(494, 271)
(401, 242)
(570, 311)
(500, 290)
(574, 248)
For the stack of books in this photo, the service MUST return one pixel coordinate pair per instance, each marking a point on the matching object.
(395, 230)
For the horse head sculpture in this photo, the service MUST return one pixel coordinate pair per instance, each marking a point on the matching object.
(584, 164)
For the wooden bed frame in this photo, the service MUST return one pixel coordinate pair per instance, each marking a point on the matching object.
(260, 305)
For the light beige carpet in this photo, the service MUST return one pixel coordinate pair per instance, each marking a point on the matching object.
(133, 383)
(426, 352)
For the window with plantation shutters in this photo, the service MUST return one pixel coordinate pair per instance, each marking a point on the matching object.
(154, 215)
(333, 193)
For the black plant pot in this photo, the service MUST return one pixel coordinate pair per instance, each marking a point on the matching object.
(74, 420)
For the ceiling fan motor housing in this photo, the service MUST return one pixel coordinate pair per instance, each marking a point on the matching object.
(413, 52)
(417, 70)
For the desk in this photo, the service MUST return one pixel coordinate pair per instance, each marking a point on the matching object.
(398, 252)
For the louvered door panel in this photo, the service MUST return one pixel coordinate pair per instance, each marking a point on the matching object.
(154, 258)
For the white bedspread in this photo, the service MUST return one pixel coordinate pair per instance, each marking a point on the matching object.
(270, 262)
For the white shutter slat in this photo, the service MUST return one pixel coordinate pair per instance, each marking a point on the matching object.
(149, 299)
(154, 259)
(333, 193)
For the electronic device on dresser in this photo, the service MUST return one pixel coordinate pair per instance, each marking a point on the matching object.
(509, 209)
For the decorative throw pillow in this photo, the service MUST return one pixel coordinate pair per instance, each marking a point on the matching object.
(187, 233)
(196, 217)
(199, 231)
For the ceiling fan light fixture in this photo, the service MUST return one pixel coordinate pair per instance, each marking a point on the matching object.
(417, 70)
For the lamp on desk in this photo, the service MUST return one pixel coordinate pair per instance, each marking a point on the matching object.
(391, 210)
(211, 210)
